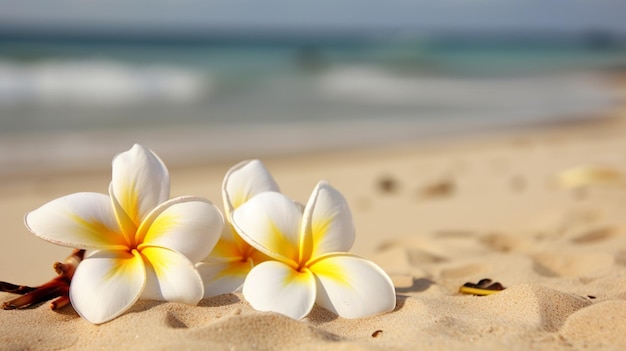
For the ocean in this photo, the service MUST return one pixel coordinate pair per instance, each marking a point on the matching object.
(67, 100)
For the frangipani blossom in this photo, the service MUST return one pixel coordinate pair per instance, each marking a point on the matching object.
(144, 245)
(232, 258)
(310, 263)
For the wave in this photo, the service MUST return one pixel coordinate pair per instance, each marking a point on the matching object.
(98, 82)
(368, 85)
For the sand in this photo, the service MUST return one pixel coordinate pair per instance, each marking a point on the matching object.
(434, 216)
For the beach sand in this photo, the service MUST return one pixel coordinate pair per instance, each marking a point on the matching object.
(434, 215)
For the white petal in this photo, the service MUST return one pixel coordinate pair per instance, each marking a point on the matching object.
(276, 287)
(327, 223)
(140, 181)
(243, 181)
(226, 247)
(352, 287)
(189, 225)
(270, 222)
(223, 277)
(126, 224)
(231, 246)
(106, 284)
(171, 277)
(81, 220)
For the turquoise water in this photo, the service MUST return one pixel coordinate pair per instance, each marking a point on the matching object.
(285, 95)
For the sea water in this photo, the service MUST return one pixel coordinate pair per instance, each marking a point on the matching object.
(234, 98)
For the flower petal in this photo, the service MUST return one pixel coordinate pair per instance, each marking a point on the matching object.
(227, 247)
(106, 284)
(243, 181)
(81, 220)
(352, 287)
(171, 277)
(189, 225)
(231, 246)
(140, 181)
(270, 222)
(327, 223)
(126, 224)
(274, 286)
(223, 277)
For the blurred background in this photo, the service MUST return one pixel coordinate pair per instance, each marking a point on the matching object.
(217, 80)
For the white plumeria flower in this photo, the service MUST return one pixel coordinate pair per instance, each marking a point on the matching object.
(226, 268)
(310, 263)
(145, 245)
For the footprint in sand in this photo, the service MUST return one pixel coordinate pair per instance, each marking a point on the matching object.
(597, 235)
(572, 265)
(438, 189)
(504, 243)
(388, 185)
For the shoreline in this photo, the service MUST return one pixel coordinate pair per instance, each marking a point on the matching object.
(184, 146)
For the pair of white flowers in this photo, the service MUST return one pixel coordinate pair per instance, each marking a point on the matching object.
(143, 245)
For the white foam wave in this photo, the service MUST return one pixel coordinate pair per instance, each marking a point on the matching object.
(97, 82)
(374, 86)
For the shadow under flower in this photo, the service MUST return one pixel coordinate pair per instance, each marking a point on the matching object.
(418, 285)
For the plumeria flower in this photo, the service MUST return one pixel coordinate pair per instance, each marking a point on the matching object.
(310, 263)
(144, 245)
(232, 258)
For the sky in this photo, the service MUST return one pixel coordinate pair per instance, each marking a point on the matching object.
(433, 15)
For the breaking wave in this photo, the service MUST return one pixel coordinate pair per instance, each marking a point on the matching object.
(98, 82)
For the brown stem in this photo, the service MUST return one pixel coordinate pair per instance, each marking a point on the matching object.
(60, 302)
(59, 286)
(15, 289)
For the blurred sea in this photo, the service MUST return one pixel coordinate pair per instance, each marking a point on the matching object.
(68, 99)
